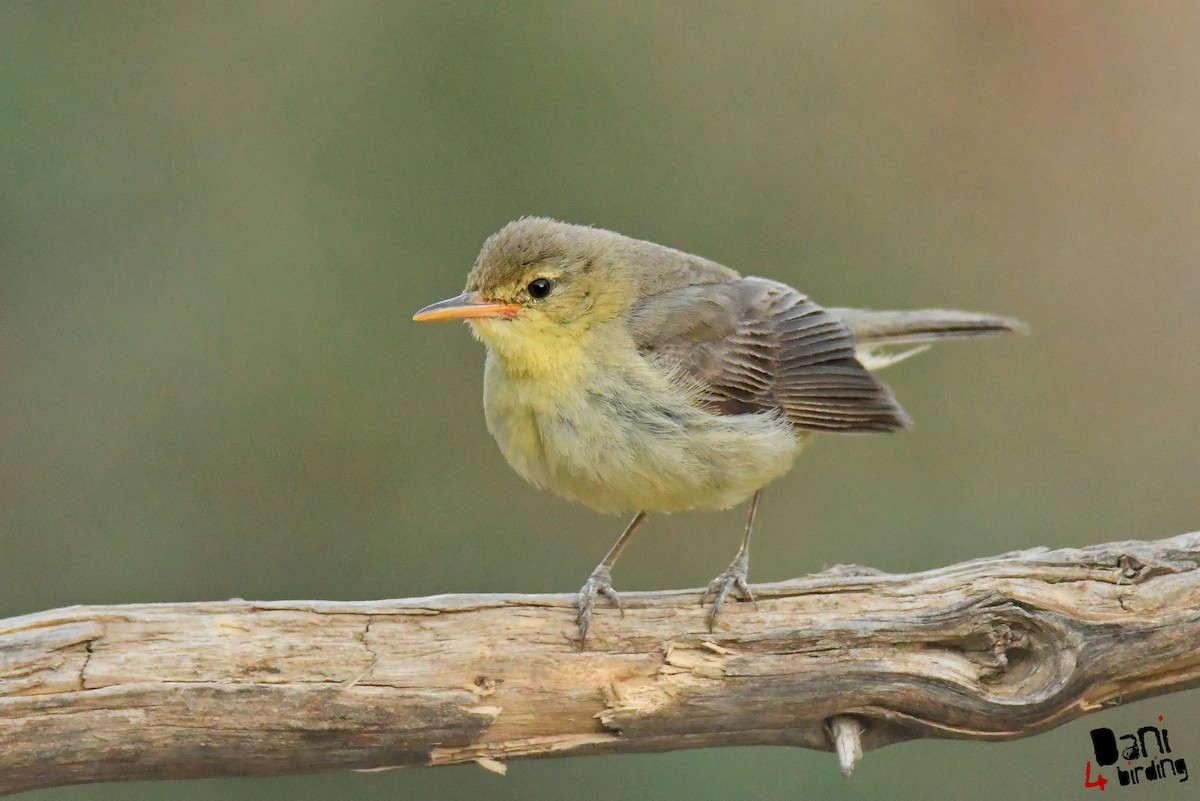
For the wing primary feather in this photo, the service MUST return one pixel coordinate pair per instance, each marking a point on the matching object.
(754, 346)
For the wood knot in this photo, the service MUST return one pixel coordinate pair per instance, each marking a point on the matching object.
(1130, 567)
(485, 685)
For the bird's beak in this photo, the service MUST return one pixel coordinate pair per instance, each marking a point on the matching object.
(466, 306)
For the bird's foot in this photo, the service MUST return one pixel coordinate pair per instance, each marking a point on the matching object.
(732, 581)
(598, 584)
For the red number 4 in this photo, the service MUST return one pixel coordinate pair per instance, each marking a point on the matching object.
(1087, 778)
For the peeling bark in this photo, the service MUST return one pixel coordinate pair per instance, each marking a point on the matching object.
(846, 660)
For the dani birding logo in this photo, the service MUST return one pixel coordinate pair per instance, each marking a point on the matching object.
(1146, 753)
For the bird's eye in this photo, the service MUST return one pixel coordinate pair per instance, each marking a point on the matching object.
(540, 288)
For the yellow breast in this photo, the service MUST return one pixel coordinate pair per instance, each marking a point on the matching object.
(616, 433)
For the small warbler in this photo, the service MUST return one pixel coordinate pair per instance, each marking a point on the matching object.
(633, 377)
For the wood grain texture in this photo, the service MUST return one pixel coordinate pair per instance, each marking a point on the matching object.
(989, 649)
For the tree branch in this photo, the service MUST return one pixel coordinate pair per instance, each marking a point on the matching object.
(988, 649)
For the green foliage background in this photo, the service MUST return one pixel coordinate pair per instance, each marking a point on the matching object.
(216, 219)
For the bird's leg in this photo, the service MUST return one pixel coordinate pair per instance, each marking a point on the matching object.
(600, 582)
(734, 577)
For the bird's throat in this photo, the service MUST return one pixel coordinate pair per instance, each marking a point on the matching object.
(528, 352)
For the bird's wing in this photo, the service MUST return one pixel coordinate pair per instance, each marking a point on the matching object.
(754, 345)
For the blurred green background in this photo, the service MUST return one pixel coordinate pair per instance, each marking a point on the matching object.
(217, 218)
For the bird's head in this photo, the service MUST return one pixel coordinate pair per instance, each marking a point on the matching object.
(539, 284)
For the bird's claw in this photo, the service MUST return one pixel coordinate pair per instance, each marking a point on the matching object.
(598, 584)
(732, 581)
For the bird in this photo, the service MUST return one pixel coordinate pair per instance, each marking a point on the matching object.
(636, 378)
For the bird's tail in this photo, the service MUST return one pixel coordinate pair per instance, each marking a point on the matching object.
(876, 332)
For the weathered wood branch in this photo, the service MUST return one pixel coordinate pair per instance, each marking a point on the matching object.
(988, 649)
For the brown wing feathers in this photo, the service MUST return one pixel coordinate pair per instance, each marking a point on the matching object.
(755, 345)
(818, 382)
